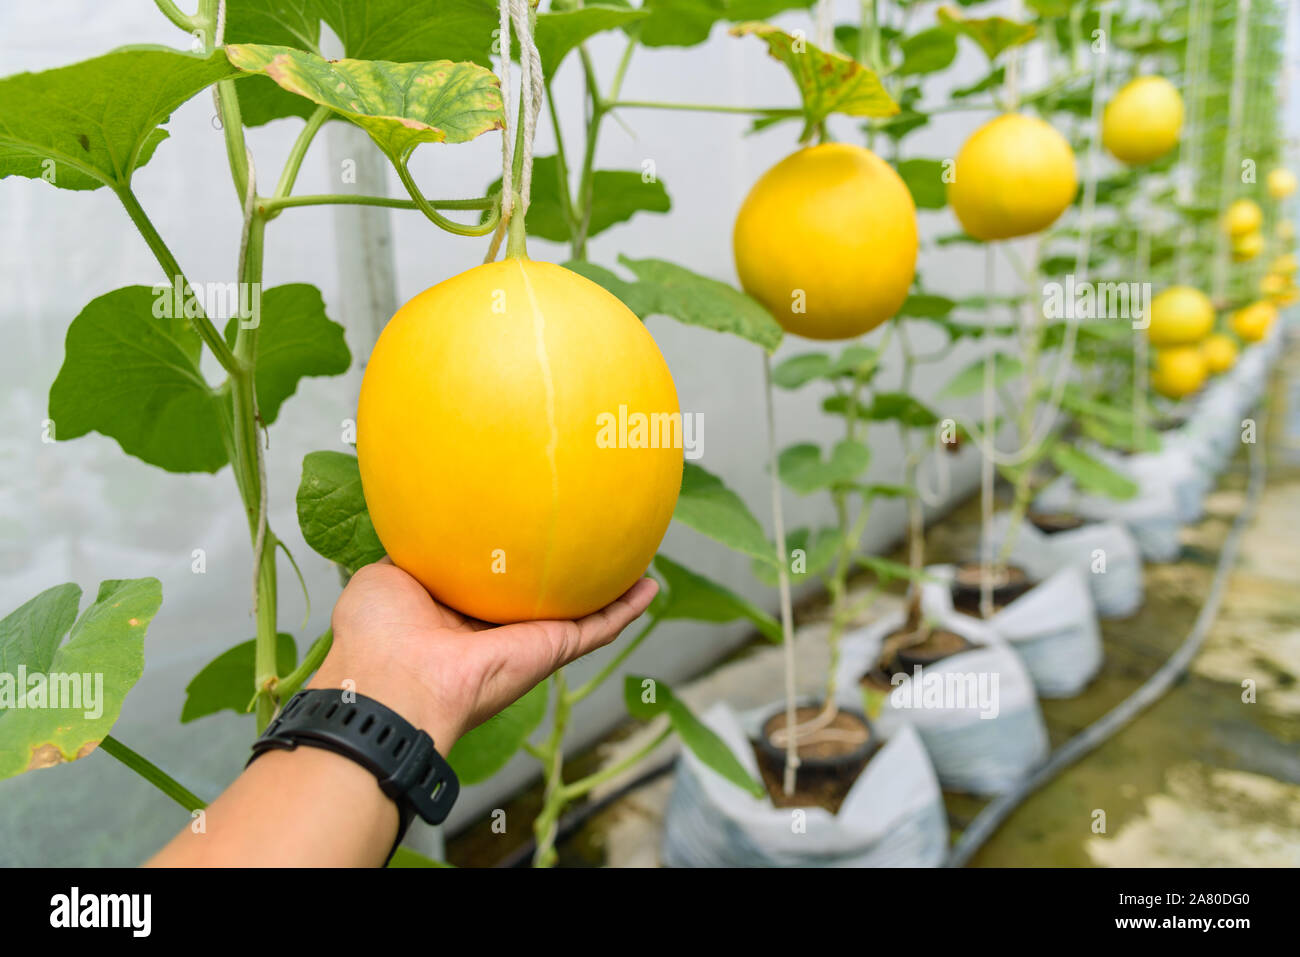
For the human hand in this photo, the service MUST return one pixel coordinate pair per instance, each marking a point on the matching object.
(443, 672)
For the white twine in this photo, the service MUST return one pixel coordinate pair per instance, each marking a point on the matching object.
(823, 21)
(531, 90)
(1193, 70)
(1064, 365)
(1232, 149)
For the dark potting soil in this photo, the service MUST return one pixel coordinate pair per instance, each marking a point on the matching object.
(829, 767)
(1053, 523)
(939, 644)
(1009, 584)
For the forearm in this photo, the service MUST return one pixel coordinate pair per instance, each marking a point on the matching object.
(303, 808)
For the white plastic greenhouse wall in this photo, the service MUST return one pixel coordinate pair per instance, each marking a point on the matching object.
(82, 511)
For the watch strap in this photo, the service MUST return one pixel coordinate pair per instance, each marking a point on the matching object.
(409, 768)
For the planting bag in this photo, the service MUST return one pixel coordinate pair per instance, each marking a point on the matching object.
(1052, 627)
(1116, 590)
(970, 752)
(1151, 516)
(893, 815)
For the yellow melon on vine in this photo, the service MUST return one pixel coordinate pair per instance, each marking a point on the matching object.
(1179, 371)
(1281, 182)
(1220, 353)
(1180, 315)
(520, 443)
(1242, 217)
(1014, 176)
(1142, 121)
(827, 241)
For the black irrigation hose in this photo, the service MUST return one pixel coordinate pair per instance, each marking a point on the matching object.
(996, 812)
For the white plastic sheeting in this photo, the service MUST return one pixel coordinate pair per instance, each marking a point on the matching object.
(893, 815)
(1104, 552)
(973, 748)
(1052, 627)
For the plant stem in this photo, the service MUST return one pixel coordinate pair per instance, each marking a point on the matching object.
(232, 125)
(172, 270)
(288, 686)
(424, 206)
(582, 786)
(561, 164)
(773, 111)
(624, 653)
(174, 14)
(552, 756)
(153, 774)
(290, 172)
(273, 204)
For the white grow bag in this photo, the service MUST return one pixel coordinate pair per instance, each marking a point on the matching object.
(1104, 552)
(1151, 516)
(893, 815)
(973, 750)
(1052, 627)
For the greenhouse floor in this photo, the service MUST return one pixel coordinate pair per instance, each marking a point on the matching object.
(1203, 778)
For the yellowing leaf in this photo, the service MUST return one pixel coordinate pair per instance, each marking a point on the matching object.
(828, 82)
(400, 105)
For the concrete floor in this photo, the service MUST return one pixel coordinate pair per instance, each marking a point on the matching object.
(1208, 776)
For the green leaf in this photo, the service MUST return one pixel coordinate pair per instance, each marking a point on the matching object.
(708, 506)
(617, 196)
(699, 301)
(290, 23)
(927, 52)
(136, 379)
(47, 720)
(94, 123)
(924, 179)
(857, 361)
(131, 371)
(763, 9)
(828, 82)
(922, 305)
(690, 596)
(802, 468)
(484, 751)
(639, 297)
(405, 857)
(332, 510)
(1092, 475)
(296, 340)
(995, 78)
(226, 683)
(400, 105)
(819, 550)
(679, 23)
(799, 370)
(560, 31)
(408, 31)
(902, 408)
(971, 379)
(887, 570)
(646, 699)
(993, 34)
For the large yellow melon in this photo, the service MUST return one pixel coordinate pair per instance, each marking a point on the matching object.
(1014, 176)
(826, 240)
(1142, 121)
(506, 435)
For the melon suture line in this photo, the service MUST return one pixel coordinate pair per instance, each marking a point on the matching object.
(552, 443)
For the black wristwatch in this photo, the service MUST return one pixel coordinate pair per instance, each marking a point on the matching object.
(410, 770)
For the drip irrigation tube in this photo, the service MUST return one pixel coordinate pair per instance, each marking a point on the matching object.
(988, 820)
